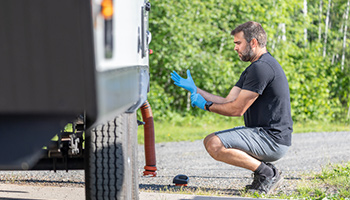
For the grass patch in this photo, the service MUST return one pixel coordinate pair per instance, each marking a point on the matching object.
(191, 128)
(336, 181)
(333, 183)
(317, 126)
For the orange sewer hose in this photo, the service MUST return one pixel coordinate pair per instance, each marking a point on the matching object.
(150, 152)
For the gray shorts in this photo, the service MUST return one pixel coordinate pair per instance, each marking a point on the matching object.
(254, 141)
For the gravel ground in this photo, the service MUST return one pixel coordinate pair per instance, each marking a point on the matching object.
(44, 178)
(309, 153)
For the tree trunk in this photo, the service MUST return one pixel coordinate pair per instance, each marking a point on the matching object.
(326, 28)
(188, 105)
(319, 26)
(305, 16)
(345, 31)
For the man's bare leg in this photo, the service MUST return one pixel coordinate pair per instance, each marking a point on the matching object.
(234, 157)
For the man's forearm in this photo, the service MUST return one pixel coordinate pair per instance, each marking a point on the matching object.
(227, 109)
(211, 97)
(236, 107)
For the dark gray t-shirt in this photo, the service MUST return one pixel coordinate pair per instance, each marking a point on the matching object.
(271, 110)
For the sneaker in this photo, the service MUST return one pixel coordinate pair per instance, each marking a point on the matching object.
(254, 183)
(255, 177)
(264, 185)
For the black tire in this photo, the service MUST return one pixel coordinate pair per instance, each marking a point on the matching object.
(111, 164)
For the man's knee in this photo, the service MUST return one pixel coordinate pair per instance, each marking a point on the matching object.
(213, 145)
(210, 140)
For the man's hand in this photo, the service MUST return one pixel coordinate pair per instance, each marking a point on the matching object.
(198, 100)
(187, 84)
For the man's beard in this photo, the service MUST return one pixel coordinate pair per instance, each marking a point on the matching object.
(247, 54)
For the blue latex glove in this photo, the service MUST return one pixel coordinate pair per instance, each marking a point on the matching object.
(187, 84)
(198, 100)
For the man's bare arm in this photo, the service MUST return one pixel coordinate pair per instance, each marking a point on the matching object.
(218, 99)
(236, 107)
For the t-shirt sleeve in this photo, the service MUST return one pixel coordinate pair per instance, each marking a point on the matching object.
(257, 77)
(241, 80)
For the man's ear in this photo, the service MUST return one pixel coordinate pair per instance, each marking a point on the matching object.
(254, 43)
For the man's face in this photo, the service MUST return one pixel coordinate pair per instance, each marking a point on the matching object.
(243, 48)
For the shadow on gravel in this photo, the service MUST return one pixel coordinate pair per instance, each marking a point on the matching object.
(11, 191)
(190, 189)
(48, 182)
(7, 198)
(292, 178)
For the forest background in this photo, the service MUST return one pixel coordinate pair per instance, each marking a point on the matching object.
(309, 38)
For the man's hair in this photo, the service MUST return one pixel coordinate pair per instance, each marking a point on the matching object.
(252, 30)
